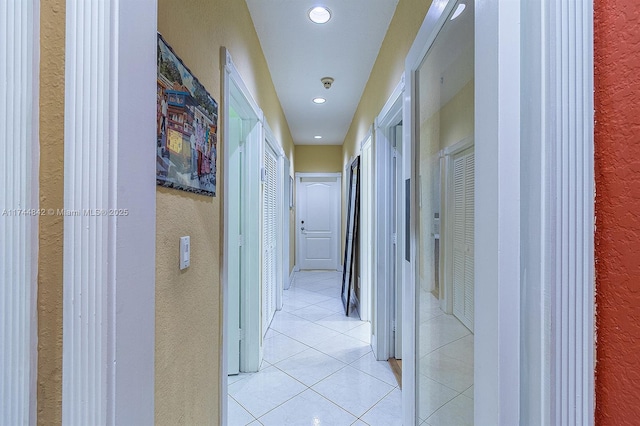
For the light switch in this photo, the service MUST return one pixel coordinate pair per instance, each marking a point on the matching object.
(185, 252)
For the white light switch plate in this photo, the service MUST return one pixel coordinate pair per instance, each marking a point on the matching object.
(185, 252)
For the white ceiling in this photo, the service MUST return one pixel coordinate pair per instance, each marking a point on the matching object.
(299, 53)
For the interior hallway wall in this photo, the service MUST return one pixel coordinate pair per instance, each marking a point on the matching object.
(188, 304)
(617, 173)
(319, 159)
(385, 76)
(450, 124)
(52, 51)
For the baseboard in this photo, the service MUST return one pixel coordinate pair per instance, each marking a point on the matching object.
(290, 280)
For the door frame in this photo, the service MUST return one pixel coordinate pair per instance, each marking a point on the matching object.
(383, 329)
(338, 177)
(497, 324)
(561, 124)
(250, 318)
(367, 277)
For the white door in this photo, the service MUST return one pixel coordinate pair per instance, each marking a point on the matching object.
(317, 218)
(269, 237)
(463, 238)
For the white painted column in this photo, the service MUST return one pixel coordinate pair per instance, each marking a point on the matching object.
(571, 270)
(88, 185)
(19, 151)
(109, 202)
(497, 198)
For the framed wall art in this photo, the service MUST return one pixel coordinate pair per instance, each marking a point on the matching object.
(187, 126)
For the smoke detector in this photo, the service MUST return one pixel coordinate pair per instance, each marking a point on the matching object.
(327, 82)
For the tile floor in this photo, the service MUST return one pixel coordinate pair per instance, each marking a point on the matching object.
(445, 379)
(318, 367)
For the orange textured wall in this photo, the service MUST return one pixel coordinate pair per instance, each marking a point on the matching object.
(617, 239)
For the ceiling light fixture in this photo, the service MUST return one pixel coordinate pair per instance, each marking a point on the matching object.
(317, 137)
(319, 100)
(320, 15)
(461, 7)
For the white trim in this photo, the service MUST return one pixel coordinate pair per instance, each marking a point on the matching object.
(390, 115)
(570, 161)
(313, 175)
(535, 205)
(235, 91)
(19, 177)
(132, 310)
(88, 183)
(286, 224)
(497, 234)
(367, 212)
(109, 259)
(458, 147)
(367, 138)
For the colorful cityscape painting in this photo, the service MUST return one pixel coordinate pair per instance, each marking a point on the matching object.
(187, 118)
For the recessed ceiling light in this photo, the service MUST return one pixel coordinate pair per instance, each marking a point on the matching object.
(317, 137)
(461, 7)
(320, 15)
(319, 100)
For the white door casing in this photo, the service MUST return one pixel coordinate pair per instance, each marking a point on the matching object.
(241, 227)
(398, 239)
(386, 325)
(317, 217)
(233, 200)
(367, 240)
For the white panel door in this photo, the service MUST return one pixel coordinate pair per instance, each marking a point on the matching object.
(318, 210)
(463, 237)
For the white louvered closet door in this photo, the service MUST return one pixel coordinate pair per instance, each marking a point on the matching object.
(463, 239)
(269, 237)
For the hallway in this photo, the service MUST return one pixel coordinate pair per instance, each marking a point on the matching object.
(318, 366)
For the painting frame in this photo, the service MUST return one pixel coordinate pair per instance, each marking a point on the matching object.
(351, 234)
(187, 127)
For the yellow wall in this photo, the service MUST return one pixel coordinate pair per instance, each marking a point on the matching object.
(188, 305)
(318, 158)
(386, 72)
(452, 123)
(52, 39)
(384, 77)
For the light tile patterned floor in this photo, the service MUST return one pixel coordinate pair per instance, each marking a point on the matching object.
(318, 366)
(445, 379)
(319, 369)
